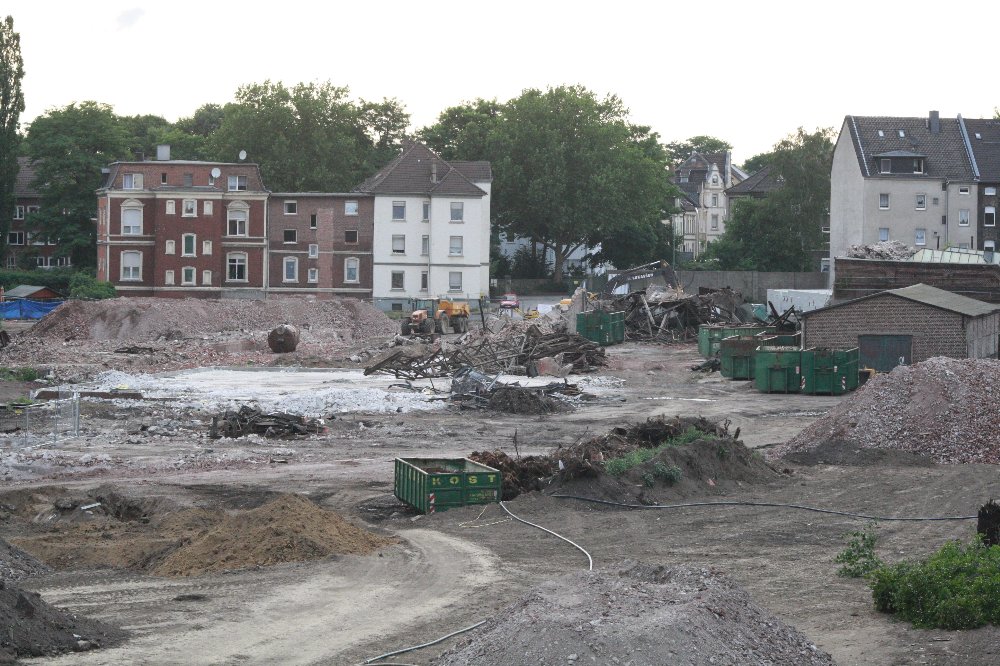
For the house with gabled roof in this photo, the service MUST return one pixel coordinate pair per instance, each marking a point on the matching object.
(907, 179)
(431, 228)
(983, 137)
(28, 246)
(703, 180)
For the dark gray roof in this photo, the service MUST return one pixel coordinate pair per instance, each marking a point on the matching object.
(945, 150)
(900, 153)
(478, 172)
(24, 184)
(759, 183)
(928, 295)
(411, 173)
(984, 137)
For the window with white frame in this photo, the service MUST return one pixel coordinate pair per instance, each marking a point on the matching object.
(188, 244)
(171, 207)
(351, 236)
(190, 208)
(36, 239)
(454, 280)
(990, 218)
(715, 201)
(455, 244)
(290, 272)
(237, 183)
(237, 220)
(188, 275)
(921, 202)
(883, 201)
(206, 207)
(290, 236)
(399, 210)
(313, 275)
(42, 262)
(11, 261)
(885, 165)
(132, 181)
(31, 209)
(236, 267)
(715, 180)
(920, 237)
(963, 218)
(291, 208)
(351, 266)
(168, 278)
(131, 266)
(399, 244)
(918, 166)
(990, 191)
(715, 222)
(426, 215)
(423, 280)
(15, 238)
(425, 245)
(396, 280)
(131, 218)
(457, 211)
(206, 278)
(964, 189)
(824, 265)
(883, 233)
(163, 178)
(313, 250)
(350, 208)
(206, 247)
(169, 247)
(312, 221)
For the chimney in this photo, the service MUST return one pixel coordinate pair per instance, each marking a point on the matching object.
(163, 152)
(434, 171)
(934, 123)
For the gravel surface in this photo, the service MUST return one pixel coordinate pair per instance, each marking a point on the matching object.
(636, 614)
(942, 409)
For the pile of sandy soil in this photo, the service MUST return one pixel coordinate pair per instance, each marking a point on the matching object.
(33, 628)
(149, 534)
(287, 529)
(942, 409)
(147, 319)
(16, 564)
(636, 614)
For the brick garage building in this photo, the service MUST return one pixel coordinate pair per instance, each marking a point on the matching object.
(908, 325)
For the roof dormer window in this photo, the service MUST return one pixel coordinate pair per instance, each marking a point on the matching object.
(885, 165)
(881, 133)
(979, 136)
(902, 134)
(918, 166)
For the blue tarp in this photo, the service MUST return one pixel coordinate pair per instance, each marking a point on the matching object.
(25, 309)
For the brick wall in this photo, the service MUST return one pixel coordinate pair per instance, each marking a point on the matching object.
(935, 332)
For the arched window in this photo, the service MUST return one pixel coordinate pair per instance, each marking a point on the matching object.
(131, 218)
(238, 219)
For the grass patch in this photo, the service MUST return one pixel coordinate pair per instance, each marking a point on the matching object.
(859, 559)
(19, 374)
(622, 464)
(958, 587)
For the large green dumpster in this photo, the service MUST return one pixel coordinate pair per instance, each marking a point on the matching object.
(771, 339)
(617, 327)
(710, 335)
(736, 354)
(436, 484)
(600, 327)
(829, 371)
(778, 369)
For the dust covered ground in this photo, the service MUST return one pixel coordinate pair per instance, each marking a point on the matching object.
(171, 500)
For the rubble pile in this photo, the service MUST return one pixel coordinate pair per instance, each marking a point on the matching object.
(939, 409)
(520, 475)
(509, 351)
(892, 250)
(15, 564)
(471, 388)
(636, 613)
(250, 420)
(670, 315)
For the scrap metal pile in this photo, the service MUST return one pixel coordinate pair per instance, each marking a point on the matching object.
(250, 420)
(672, 316)
(471, 388)
(510, 350)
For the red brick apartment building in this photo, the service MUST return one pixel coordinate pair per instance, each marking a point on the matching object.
(25, 248)
(320, 243)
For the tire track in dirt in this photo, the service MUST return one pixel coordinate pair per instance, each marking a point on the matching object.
(310, 617)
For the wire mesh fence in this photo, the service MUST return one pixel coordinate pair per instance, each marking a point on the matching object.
(49, 420)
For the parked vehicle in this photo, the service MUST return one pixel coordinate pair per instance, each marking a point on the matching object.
(437, 316)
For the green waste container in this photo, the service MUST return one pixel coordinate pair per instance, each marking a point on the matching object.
(771, 339)
(829, 371)
(710, 335)
(437, 484)
(617, 327)
(598, 326)
(778, 369)
(736, 354)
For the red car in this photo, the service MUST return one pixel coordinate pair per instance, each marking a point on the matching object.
(510, 301)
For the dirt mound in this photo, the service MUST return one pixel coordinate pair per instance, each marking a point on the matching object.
(521, 475)
(523, 400)
(636, 614)
(16, 564)
(940, 409)
(33, 628)
(287, 529)
(149, 319)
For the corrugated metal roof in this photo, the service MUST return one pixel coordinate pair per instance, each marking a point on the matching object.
(955, 256)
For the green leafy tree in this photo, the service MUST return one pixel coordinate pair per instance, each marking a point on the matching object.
(782, 231)
(70, 146)
(205, 120)
(678, 151)
(464, 132)
(758, 162)
(310, 137)
(386, 123)
(11, 107)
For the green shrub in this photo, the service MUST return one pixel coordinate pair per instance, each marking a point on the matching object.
(19, 374)
(84, 286)
(958, 587)
(622, 464)
(859, 558)
(670, 475)
(648, 479)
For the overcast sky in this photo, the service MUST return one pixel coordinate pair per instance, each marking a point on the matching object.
(747, 72)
